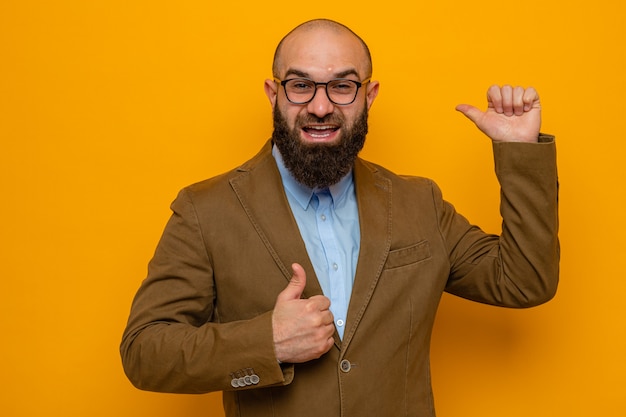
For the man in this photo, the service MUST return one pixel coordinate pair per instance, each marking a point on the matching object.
(306, 281)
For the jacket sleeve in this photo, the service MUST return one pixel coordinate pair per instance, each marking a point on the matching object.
(172, 342)
(519, 268)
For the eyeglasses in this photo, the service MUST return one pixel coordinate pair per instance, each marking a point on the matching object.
(339, 91)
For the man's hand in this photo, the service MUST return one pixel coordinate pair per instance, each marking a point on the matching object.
(513, 114)
(303, 328)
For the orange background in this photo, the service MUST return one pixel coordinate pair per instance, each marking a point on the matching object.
(107, 108)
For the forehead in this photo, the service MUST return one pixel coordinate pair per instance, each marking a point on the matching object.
(322, 53)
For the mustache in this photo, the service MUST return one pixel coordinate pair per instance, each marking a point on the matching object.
(308, 118)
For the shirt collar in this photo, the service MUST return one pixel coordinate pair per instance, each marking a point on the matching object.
(301, 193)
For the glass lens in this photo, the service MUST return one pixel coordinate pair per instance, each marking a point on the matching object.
(300, 90)
(342, 91)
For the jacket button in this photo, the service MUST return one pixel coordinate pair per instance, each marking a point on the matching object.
(345, 365)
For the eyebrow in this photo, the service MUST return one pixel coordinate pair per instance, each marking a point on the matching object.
(302, 74)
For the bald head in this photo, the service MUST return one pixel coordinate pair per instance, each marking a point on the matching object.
(311, 31)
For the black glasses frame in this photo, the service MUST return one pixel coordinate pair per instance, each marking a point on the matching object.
(359, 84)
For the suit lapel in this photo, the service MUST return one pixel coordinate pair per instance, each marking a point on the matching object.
(373, 194)
(260, 191)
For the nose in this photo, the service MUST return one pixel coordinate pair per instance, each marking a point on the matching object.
(320, 105)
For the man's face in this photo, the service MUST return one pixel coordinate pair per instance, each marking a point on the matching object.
(334, 133)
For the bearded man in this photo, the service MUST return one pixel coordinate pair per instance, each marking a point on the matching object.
(306, 281)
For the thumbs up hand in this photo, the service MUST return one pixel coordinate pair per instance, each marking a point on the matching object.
(303, 328)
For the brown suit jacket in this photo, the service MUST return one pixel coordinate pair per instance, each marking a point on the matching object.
(201, 320)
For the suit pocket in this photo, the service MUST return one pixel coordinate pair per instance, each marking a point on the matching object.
(407, 256)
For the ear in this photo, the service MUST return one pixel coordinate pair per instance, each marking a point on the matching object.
(271, 91)
(372, 92)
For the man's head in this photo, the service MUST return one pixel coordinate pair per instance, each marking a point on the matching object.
(320, 139)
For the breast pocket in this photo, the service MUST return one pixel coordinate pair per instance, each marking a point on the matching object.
(410, 255)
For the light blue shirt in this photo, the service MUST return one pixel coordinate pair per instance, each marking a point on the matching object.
(328, 220)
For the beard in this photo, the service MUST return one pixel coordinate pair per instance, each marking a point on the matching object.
(319, 165)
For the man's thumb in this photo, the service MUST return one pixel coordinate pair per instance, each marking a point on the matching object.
(470, 112)
(296, 285)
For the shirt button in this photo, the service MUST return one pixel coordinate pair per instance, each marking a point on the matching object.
(335, 266)
(339, 322)
(323, 217)
(345, 365)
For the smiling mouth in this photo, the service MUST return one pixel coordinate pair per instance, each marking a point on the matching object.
(320, 131)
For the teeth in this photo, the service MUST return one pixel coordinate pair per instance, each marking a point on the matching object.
(313, 135)
(321, 131)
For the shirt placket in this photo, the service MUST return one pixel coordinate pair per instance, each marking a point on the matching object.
(324, 220)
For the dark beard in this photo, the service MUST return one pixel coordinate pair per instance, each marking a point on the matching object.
(319, 165)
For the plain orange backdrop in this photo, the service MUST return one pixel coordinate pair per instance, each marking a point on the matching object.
(107, 108)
